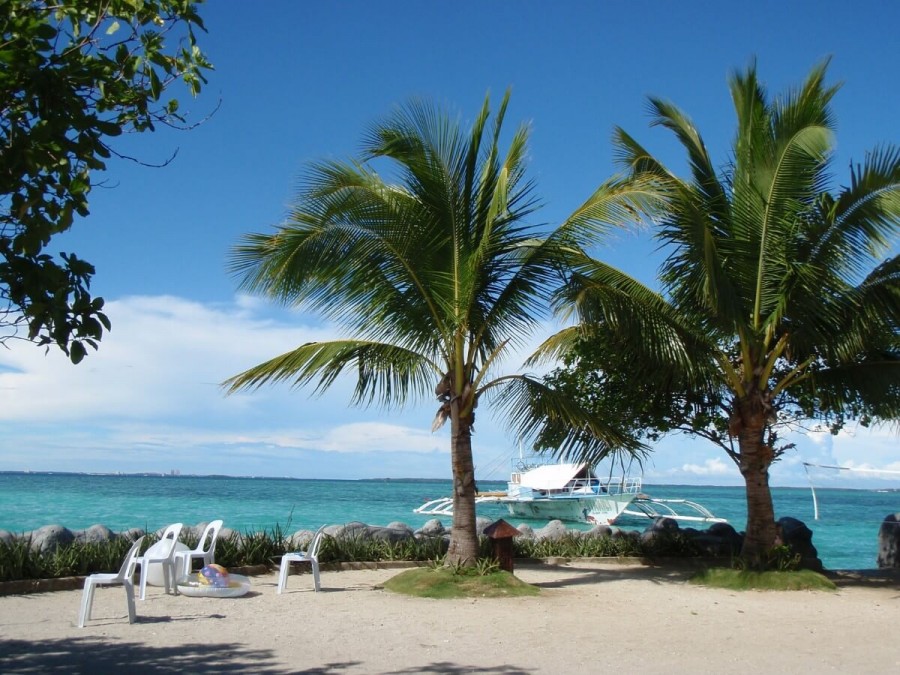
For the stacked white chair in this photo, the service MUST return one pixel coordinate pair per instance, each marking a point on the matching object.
(205, 549)
(162, 553)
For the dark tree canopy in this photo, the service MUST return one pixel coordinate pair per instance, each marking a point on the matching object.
(74, 75)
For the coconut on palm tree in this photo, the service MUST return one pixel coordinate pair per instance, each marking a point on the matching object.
(433, 272)
(780, 299)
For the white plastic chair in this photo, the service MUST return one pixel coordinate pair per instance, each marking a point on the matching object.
(311, 556)
(123, 577)
(184, 560)
(163, 552)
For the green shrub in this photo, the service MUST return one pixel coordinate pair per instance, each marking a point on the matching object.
(19, 561)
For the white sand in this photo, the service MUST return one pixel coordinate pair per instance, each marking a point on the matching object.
(590, 618)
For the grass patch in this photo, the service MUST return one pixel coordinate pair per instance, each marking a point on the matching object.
(746, 580)
(446, 582)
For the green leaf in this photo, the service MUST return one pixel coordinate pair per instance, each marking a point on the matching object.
(77, 352)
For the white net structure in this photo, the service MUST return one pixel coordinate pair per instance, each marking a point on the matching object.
(884, 477)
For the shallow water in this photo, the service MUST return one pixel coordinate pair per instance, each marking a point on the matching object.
(846, 533)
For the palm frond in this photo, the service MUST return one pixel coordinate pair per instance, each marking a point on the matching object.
(385, 373)
(531, 407)
(655, 338)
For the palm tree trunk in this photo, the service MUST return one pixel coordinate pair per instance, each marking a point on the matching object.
(463, 548)
(755, 459)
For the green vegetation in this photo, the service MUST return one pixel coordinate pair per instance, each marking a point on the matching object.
(75, 75)
(747, 580)
(19, 561)
(458, 582)
(575, 546)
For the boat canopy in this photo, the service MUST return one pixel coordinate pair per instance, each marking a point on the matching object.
(553, 476)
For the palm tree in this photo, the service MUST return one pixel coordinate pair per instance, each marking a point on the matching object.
(780, 300)
(434, 277)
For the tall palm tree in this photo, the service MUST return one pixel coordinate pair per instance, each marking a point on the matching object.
(434, 276)
(780, 300)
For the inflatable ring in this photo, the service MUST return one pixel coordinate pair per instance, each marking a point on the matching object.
(190, 586)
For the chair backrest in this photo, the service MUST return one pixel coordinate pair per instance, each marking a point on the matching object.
(172, 533)
(211, 533)
(130, 562)
(316, 543)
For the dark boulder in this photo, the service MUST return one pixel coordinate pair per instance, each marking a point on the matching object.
(797, 536)
(889, 542)
(391, 534)
(663, 524)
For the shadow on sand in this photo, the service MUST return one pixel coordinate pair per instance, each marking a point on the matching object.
(578, 575)
(98, 655)
(101, 655)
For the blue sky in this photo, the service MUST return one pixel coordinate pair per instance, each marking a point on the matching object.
(301, 81)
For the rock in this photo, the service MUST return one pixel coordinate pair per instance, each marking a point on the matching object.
(50, 537)
(482, 523)
(300, 540)
(797, 536)
(397, 525)
(723, 530)
(553, 530)
(392, 535)
(730, 541)
(132, 534)
(95, 534)
(716, 547)
(433, 528)
(889, 542)
(7, 537)
(351, 530)
(599, 531)
(663, 524)
(525, 531)
(619, 533)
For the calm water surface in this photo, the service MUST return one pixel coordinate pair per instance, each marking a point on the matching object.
(846, 534)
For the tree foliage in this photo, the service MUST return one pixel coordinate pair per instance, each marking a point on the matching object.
(73, 76)
(780, 297)
(435, 274)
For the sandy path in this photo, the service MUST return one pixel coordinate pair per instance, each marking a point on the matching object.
(591, 617)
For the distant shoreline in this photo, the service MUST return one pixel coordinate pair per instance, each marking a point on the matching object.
(212, 476)
(153, 474)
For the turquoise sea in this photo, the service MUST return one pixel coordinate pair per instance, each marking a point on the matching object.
(846, 533)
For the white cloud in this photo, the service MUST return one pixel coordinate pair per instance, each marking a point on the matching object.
(150, 400)
(711, 467)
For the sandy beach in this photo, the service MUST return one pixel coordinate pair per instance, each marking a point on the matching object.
(590, 617)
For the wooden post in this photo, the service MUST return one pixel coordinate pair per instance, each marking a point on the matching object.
(501, 535)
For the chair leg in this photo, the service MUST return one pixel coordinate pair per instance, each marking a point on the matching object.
(315, 571)
(169, 576)
(144, 581)
(283, 574)
(87, 600)
(129, 598)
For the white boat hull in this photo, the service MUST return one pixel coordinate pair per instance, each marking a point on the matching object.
(602, 510)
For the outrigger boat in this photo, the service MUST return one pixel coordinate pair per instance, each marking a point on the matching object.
(540, 490)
